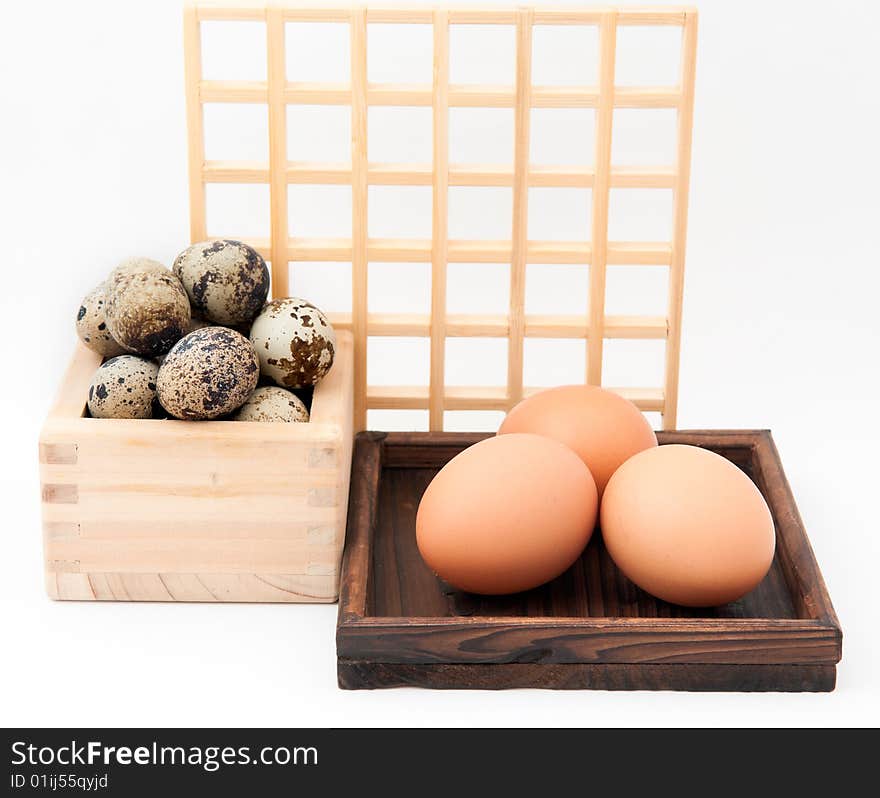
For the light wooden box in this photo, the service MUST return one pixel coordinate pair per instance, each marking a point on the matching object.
(167, 510)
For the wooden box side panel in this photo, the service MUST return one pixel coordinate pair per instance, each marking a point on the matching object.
(357, 675)
(172, 510)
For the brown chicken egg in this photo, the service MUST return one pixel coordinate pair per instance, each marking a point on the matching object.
(687, 526)
(507, 514)
(602, 427)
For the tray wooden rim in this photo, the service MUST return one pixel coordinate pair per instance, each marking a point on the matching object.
(812, 640)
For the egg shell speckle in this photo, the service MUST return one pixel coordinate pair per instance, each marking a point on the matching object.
(147, 309)
(273, 404)
(207, 374)
(294, 341)
(91, 324)
(124, 387)
(226, 281)
(195, 323)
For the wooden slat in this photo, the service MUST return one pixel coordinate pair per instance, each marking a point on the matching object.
(406, 250)
(460, 325)
(233, 91)
(236, 172)
(359, 254)
(460, 95)
(318, 93)
(440, 217)
(520, 235)
(653, 253)
(242, 11)
(421, 174)
(339, 12)
(319, 173)
(680, 215)
(601, 185)
(277, 150)
(194, 124)
(415, 397)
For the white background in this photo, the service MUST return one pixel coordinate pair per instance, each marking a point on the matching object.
(780, 331)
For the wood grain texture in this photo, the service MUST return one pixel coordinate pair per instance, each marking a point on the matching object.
(361, 675)
(276, 71)
(166, 510)
(680, 214)
(600, 197)
(520, 221)
(418, 630)
(439, 220)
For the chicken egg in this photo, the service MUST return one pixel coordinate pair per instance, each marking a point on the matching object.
(507, 514)
(602, 427)
(687, 526)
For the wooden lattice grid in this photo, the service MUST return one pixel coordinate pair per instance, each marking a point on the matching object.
(277, 92)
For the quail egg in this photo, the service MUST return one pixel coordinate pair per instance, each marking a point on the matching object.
(272, 404)
(207, 374)
(226, 281)
(147, 309)
(294, 341)
(195, 323)
(91, 325)
(123, 387)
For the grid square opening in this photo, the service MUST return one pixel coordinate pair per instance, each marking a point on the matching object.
(557, 289)
(398, 361)
(548, 362)
(480, 212)
(476, 361)
(236, 132)
(564, 136)
(317, 52)
(640, 214)
(481, 135)
(400, 211)
(326, 284)
(400, 53)
(399, 288)
(399, 134)
(648, 55)
(560, 214)
(478, 288)
(319, 133)
(482, 54)
(565, 55)
(316, 211)
(644, 137)
(636, 290)
(633, 363)
(233, 50)
(237, 210)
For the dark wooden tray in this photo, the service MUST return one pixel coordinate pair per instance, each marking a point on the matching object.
(591, 628)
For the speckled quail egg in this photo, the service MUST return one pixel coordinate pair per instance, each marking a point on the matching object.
(207, 374)
(294, 341)
(147, 309)
(124, 387)
(271, 403)
(226, 281)
(195, 323)
(91, 325)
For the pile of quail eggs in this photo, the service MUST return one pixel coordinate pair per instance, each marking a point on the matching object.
(200, 342)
